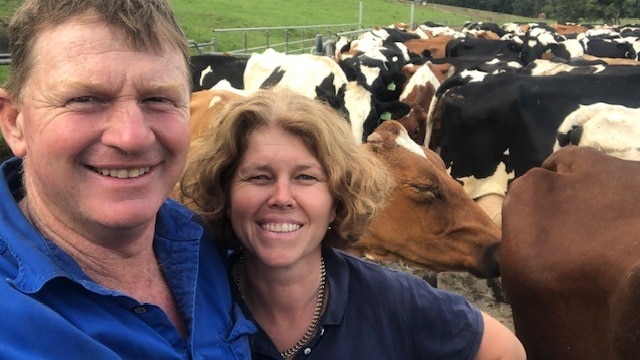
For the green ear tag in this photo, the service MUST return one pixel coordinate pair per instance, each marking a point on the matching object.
(391, 86)
(385, 115)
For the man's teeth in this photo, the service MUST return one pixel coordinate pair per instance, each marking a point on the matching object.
(280, 227)
(124, 173)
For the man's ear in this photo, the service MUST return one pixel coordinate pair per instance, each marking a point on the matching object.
(11, 124)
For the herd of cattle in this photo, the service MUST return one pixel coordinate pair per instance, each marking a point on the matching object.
(460, 117)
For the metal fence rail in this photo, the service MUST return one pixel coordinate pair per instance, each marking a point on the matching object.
(286, 39)
(5, 59)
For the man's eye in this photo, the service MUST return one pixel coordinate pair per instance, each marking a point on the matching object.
(157, 99)
(83, 99)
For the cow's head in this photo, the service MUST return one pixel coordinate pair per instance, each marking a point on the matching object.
(429, 220)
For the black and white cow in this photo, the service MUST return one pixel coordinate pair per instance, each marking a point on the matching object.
(320, 77)
(520, 114)
(209, 69)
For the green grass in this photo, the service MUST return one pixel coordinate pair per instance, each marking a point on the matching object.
(199, 18)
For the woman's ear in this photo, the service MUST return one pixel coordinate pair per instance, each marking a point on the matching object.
(11, 124)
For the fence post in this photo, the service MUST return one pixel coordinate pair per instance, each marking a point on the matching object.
(214, 45)
(330, 48)
(318, 50)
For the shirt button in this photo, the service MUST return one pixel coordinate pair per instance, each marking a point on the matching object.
(307, 351)
(140, 310)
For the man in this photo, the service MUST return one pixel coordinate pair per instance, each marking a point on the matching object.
(95, 261)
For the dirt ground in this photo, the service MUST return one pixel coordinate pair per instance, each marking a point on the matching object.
(476, 290)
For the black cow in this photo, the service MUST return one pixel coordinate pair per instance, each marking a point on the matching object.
(501, 49)
(207, 70)
(520, 113)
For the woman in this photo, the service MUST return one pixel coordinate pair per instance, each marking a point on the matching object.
(281, 176)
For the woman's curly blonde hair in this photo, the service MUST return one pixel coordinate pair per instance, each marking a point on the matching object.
(358, 182)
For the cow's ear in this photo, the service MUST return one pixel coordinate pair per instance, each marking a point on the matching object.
(11, 124)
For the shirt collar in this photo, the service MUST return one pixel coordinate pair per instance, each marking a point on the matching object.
(47, 261)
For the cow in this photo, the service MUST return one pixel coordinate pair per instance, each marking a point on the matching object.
(502, 49)
(205, 104)
(520, 113)
(570, 257)
(429, 220)
(430, 48)
(419, 92)
(495, 128)
(320, 77)
(612, 129)
(569, 29)
(209, 69)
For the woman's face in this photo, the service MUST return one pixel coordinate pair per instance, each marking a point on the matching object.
(280, 200)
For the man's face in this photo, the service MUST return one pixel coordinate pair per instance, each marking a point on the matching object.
(105, 128)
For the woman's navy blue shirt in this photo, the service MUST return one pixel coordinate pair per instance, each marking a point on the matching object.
(379, 313)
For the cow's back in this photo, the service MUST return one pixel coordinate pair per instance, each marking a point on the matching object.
(570, 256)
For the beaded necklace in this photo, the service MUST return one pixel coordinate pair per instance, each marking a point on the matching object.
(316, 314)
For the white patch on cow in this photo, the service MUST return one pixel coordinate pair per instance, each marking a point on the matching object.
(226, 85)
(546, 38)
(546, 68)
(421, 77)
(493, 184)
(371, 73)
(215, 100)
(574, 47)
(204, 73)
(358, 102)
(636, 48)
(404, 50)
(612, 129)
(601, 31)
(302, 72)
(473, 75)
(403, 139)
(513, 28)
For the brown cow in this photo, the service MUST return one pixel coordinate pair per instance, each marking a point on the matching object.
(568, 29)
(570, 256)
(429, 220)
(435, 46)
(205, 104)
(418, 93)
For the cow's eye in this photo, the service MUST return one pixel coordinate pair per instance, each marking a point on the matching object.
(425, 191)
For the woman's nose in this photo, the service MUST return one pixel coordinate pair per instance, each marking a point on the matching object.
(282, 195)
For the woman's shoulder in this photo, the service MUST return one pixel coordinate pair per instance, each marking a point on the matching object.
(364, 271)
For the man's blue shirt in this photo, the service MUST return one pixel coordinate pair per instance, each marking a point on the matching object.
(51, 309)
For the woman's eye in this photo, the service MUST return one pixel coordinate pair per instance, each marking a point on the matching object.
(307, 178)
(259, 179)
